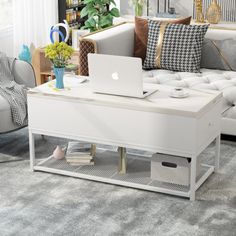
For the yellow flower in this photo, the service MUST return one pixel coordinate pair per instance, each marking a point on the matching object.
(59, 53)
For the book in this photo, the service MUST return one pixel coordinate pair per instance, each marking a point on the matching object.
(79, 153)
(79, 161)
(79, 157)
(81, 164)
(75, 148)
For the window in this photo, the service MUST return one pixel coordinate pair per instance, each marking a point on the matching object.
(6, 13)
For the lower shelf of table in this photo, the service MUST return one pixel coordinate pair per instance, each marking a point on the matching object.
(105, 170)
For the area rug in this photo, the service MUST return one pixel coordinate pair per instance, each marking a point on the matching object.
(7, 158)
(45, 204)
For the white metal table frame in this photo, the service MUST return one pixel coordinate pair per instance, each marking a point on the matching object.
(175, 127)
(194, 185)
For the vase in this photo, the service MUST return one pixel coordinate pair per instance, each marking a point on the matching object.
(59, 153)
(59, 74)
(213, 14)
(138, 10)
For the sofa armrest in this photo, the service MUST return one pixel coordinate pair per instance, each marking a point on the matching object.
(24, 73)
(117, 40)
(220, 34)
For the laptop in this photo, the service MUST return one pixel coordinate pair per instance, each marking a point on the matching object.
(117, 75)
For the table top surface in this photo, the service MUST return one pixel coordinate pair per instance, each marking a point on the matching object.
(197, 103)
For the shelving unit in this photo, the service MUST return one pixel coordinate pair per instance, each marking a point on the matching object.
(70, 10)
(106, 170)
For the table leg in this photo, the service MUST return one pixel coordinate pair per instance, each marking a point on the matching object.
(32, 150)
(193, 178)
(217, 154)
(93, 150)
(122, 160)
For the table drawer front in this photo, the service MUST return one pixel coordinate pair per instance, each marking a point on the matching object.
(209, 125)
(137, 129)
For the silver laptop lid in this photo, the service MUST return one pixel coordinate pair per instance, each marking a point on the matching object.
(116, 75)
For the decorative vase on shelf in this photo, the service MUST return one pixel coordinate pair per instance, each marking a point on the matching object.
(213, 13)
(59, 74)
(59, 153)
(138, 9)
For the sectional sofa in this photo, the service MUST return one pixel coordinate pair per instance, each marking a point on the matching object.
(119, 40)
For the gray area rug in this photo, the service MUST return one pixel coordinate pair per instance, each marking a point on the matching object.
(7, 158)
(45, 204)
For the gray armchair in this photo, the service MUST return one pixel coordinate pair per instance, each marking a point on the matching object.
(24, 74)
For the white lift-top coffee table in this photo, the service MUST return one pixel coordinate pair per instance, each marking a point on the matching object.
(158, 123)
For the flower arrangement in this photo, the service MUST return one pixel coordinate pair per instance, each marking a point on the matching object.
(59, 54)
(138, 6)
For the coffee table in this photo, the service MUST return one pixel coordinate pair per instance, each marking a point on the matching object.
(158, 123)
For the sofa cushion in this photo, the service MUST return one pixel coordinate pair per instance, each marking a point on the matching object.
(219, 54)
(224, 81)
(141, 34)
(174, 47)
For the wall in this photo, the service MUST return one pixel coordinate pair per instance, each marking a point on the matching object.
(183, 7)
(6, 41)
(117, 3)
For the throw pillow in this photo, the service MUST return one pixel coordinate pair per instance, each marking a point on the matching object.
(219, 54)
(174, 47)
(141, 34)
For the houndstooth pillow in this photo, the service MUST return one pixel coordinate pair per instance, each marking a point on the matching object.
(174, 47)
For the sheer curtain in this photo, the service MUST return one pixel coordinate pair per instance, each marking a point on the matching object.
(32, 20)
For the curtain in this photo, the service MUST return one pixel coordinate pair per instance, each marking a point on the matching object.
(32, 20)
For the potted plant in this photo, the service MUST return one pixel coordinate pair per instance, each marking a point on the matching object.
(99, 14)
(138, 6)
(59, 54)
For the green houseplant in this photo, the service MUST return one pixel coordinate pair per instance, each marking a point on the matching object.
(59, 54)
(99, 13)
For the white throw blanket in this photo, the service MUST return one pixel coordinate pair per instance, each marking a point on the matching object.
(14, 93)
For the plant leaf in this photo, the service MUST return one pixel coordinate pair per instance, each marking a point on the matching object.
(115, 12)
(84, 12)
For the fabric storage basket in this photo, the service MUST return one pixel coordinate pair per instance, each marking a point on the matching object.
(172, 169)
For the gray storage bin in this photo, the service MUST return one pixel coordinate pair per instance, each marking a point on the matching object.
(172, 169)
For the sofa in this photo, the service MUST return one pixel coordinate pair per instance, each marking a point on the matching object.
(119, 40)
(23, 74)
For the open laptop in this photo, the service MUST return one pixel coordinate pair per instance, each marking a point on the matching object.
(116, 75)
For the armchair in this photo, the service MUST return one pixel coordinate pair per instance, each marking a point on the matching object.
(23, 74)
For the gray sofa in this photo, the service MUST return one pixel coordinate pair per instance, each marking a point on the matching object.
(119, 40)
(24, 74)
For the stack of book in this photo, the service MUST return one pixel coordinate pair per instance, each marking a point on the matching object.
(79, 154)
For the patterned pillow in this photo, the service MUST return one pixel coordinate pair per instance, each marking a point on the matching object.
(141, 33)
(174, 47)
